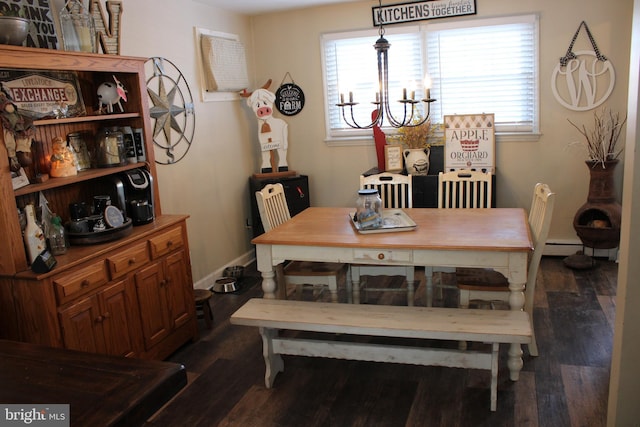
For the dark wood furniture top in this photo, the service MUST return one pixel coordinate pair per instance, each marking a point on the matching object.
(101, 390)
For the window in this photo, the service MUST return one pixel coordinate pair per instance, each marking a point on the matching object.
(475, 66)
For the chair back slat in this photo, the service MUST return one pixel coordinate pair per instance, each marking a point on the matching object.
(272, 205)
(464, 189)
(395, 190)
(540, 214)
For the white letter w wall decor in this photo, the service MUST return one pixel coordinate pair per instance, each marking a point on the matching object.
(584, 79)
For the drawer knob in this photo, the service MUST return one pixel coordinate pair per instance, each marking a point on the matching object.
(85, 283)
(169, 243)
(380, 256)
(99, 319)
(132, 261)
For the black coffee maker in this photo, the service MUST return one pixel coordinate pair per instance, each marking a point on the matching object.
(138, 191)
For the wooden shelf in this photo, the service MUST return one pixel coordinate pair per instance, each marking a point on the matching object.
(82, 119)
(82, 176)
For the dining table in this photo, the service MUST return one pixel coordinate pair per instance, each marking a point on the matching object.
(497, 238)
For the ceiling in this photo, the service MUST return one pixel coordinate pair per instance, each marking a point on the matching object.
(254, 7)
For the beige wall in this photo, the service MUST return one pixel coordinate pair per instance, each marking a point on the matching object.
(211, 182)
(291, 42)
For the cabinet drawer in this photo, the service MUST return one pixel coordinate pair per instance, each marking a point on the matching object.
(81, 281)
(128, 260)
(397, 256)
(166, 242)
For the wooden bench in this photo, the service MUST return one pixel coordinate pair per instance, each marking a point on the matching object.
(495, 327)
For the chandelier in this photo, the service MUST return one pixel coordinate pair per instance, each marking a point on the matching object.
(382, 96)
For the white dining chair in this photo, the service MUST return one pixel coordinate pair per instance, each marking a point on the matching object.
(459, 189)
(489, 285)
(274, 211)
(395, 191)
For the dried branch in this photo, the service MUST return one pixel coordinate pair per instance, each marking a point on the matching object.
(602, 140)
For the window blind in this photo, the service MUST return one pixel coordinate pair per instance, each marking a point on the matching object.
(475, 66)
(486, 69)
(351, 65)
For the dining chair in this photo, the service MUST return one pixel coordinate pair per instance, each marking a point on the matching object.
(395, 191)
(489, 285)
(272, 205)
(468, 189)
(464, 189)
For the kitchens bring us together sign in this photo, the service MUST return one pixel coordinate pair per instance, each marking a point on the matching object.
(421, 10)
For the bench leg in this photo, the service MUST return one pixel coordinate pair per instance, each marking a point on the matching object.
(273, 361)
(494, 375)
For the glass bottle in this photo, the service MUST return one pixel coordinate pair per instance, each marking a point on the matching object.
(369, 209)
(110, 149)
(57, 237)
(34, 238)
(78, 27)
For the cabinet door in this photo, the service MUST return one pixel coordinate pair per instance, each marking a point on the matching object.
(178, 289)
(121, 319)
(82, 326)
(152, 301)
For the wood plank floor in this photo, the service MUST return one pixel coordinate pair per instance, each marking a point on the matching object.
(567, 385)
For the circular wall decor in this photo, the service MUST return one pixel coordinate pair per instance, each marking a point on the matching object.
(584, 83)
(289, 99)
(171, 109)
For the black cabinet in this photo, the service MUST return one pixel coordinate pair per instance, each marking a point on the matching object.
(296, 190)
(425, 187)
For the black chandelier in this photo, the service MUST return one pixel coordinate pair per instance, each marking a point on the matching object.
(382, 96)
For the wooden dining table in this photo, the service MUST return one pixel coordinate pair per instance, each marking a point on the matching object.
(496, 238)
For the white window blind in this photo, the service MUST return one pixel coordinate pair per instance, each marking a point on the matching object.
(475, 66)
(351, 65)
(490, 68)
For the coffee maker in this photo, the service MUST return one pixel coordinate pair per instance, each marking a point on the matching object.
(138, 192)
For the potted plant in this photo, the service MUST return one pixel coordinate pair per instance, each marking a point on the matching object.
(416, 142)
(13, 27)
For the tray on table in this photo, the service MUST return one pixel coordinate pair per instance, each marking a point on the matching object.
(393, 220)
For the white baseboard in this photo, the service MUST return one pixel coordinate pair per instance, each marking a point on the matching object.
(208, 281)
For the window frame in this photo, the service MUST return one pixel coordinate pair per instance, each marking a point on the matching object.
(356, 136)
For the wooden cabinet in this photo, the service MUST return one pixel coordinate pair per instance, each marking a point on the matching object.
(93, 300)
(105, 322)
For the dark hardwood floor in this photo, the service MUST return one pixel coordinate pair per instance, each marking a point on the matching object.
(567, 385)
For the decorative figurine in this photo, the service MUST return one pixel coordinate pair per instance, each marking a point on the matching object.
(110, 94)
(62, 160)
(272, 132)
(18, 132)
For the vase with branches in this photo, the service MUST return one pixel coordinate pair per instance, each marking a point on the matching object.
(601, 141)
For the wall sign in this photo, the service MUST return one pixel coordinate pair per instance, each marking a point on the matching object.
(44, 94)
(421, 11)
(583, 80)
(42, 31)
(289, 98)
(469, 142)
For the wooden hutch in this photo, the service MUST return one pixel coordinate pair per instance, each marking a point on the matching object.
(132, 296)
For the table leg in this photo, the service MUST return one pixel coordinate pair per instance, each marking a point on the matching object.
(355, 283)
(265, 266)
(428, 275)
